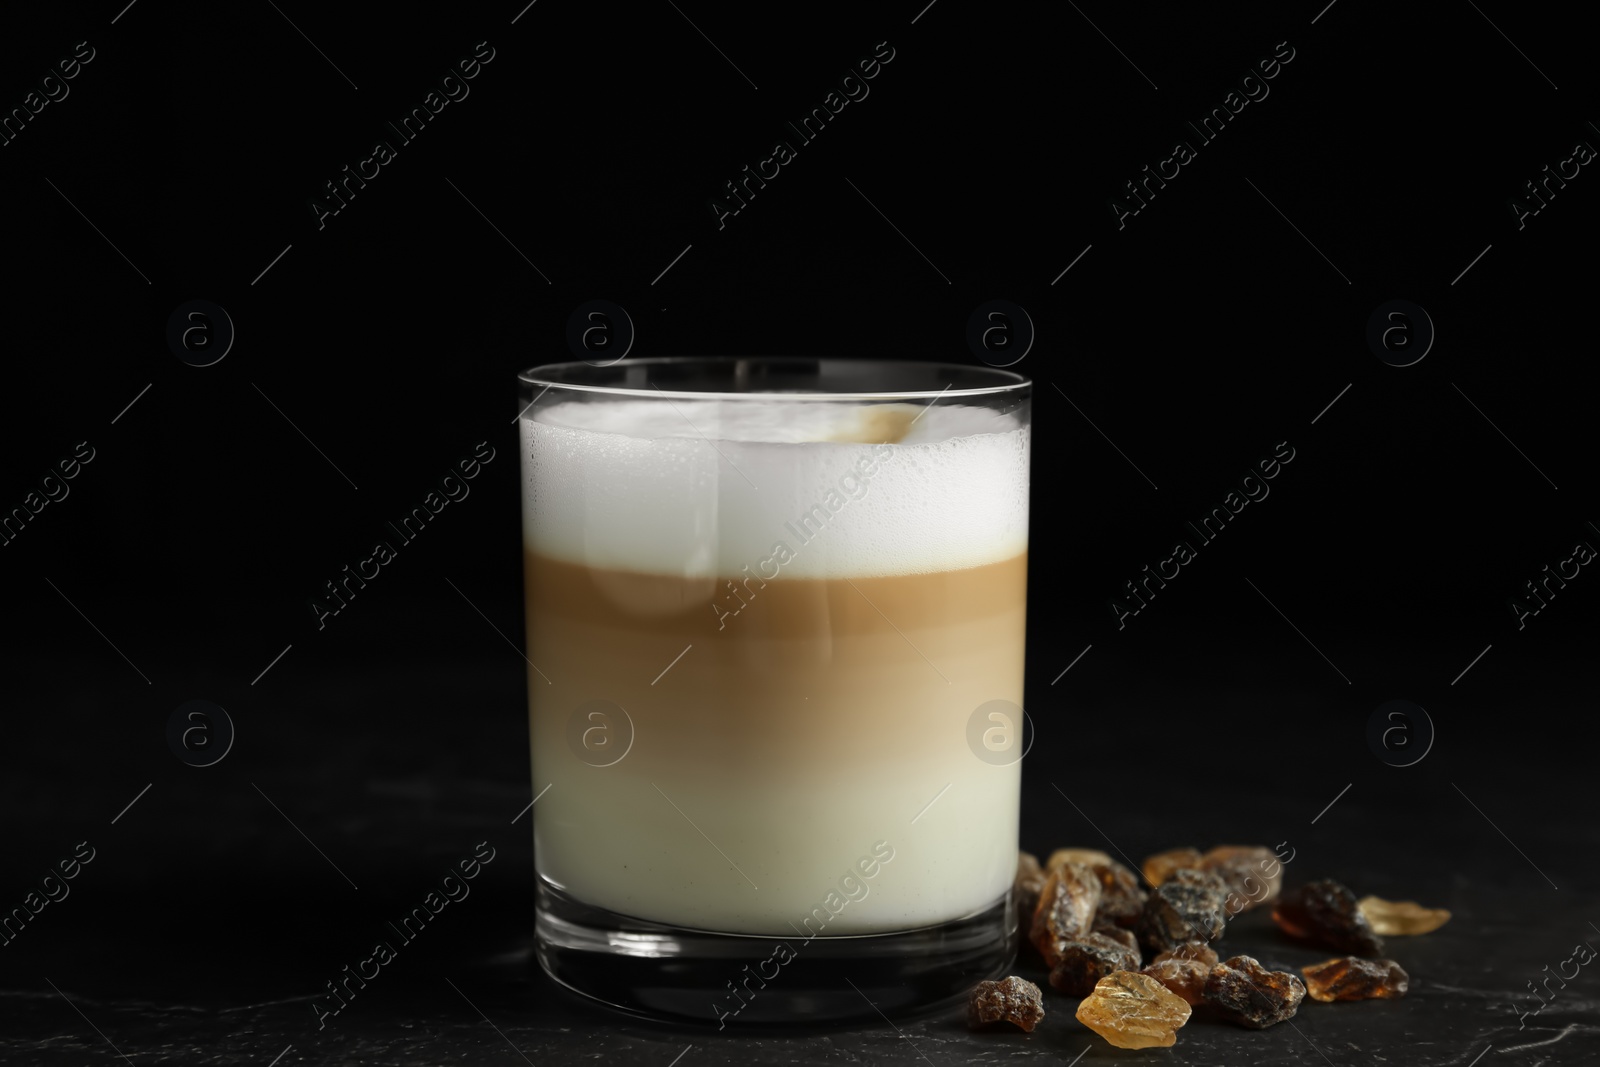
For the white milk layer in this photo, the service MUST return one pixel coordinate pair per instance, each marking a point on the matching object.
(697, 488)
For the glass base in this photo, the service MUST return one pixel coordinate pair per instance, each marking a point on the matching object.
(672, 974)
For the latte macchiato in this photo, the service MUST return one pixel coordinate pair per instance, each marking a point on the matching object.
(794, 610)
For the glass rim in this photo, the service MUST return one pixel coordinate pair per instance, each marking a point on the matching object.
(549, 376)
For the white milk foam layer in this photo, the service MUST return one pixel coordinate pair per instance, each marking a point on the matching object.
(701, 488)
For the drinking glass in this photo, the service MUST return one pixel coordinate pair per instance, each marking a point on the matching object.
(775, 623)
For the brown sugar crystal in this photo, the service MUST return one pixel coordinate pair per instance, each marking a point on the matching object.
(1190, 950)
(1186, 978)
(1252, 874)
(1401, 916)
(1012, 1000)
(1134, 1011)
(1090, 958)
(1247, 994)
(1121, 898)
(1116, 933)
(1159, 868)
(1351, 978)
(1184, 969)
(1325, 913)
(1065, 911)
(1092, 857)
(1188, 906)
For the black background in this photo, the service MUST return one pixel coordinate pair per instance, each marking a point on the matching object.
(1196, 337)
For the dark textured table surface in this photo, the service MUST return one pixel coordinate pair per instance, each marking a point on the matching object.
(1177, 331)
(207, 921)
